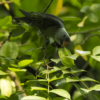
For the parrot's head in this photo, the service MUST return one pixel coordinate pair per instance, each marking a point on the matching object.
(62, 37)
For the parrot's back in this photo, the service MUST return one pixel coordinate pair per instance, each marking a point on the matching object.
(41, 20)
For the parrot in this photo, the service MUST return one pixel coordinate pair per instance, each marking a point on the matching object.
(49, 25)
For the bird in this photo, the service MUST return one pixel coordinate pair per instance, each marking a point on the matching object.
(49, 25)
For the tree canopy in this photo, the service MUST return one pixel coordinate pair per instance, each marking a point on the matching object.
(30, 69)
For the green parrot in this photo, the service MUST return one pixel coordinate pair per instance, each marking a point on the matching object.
(49, 25)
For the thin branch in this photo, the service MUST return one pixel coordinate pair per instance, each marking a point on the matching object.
(16, 81)
(47, 6)
(85, 32)
(89, 36)
(6, 2)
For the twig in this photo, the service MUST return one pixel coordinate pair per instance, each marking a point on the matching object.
(47, 6)
(6, 2)
(16, 81)
(85, 32)
(89, 37)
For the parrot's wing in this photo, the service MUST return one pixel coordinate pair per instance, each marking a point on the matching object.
(43, 20)
(24, 19)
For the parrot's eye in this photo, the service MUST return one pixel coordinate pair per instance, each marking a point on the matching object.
(63, 35)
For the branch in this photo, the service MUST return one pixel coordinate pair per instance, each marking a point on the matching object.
(6, 2)
(16, 81)
(47, 6)
(89, 36)
(85, 32)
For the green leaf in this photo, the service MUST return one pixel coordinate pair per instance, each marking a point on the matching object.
(93, 17)
(16, 70)
(88, 79)
(14, 97)
(18, 31)
(81, 1)
(3, 98)
(33, 98)
(96, 50)
(95, 87)
(17, 2)
(75, 79)
(25, 37)
(61, 92)
(83, 53)
(5, 21)
(72, 79)
(72, 71)
(24, 63)
(9, 49)
(38, 88)
(74, 56)
(3, 73)
(95, 7)
(96, 58)
(63, 53)
(14, 65)
(56, 60)
(55, 78)
(79, 89)
(60, 98)
(70, 18)
(85, 9)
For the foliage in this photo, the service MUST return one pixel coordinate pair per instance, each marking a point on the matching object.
(68, 73)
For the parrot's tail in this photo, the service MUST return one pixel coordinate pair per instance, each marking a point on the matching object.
(24, 19)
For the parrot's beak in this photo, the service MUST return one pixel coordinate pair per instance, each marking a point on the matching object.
(64, 43)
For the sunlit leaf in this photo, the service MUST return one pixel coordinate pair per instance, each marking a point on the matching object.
(3, 98)
(3, 73)
(55, 78)
(16, 70)
(75, 79)
(81, 24)
(96, 58)
(56, 60)
(70, 18)
(38, 88)
(7, 6)
(74, 56)
(5, 87)
(83, 53)
(24, 63)
(96, 50)
(61, 92)
(18, 31)
(63, 53)
(79, 47)
(58, 6)
(14, 65)
(95, 87)
(33, 98)
(88, 79)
